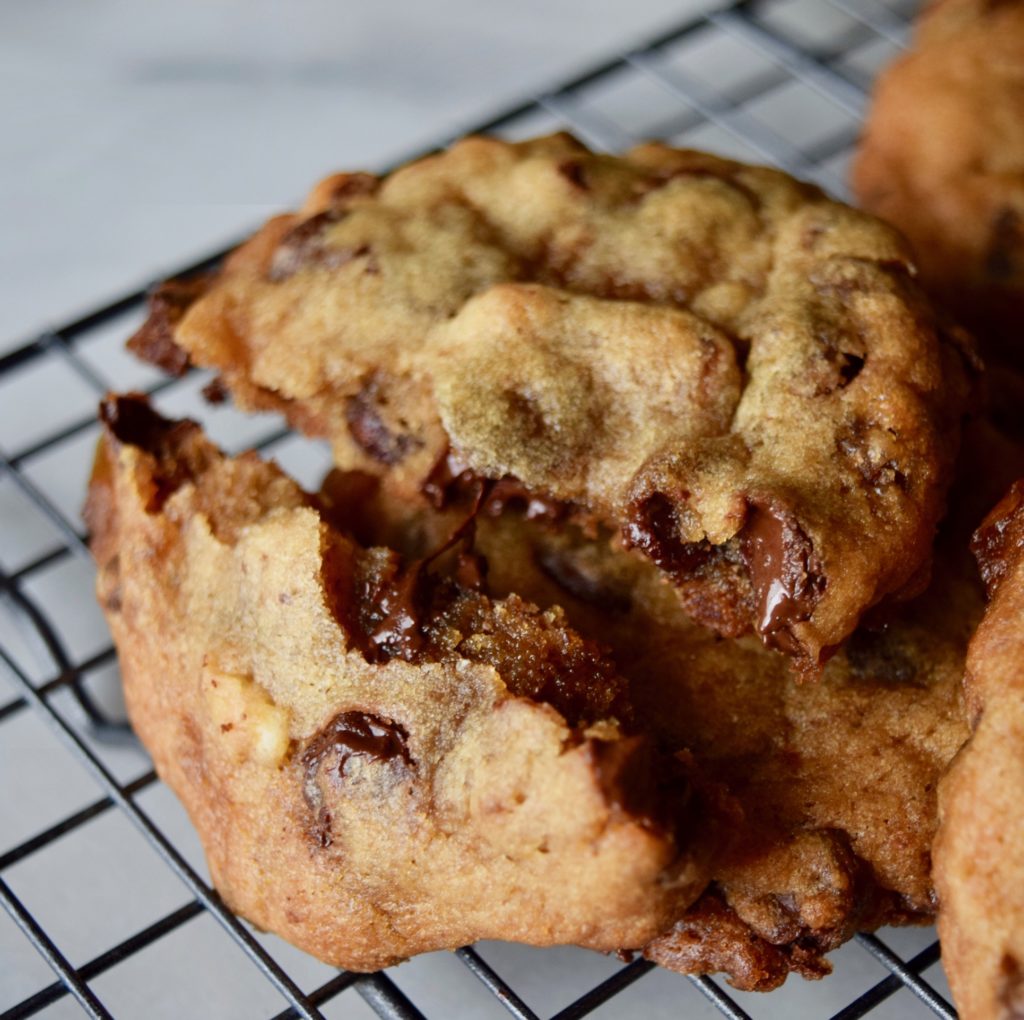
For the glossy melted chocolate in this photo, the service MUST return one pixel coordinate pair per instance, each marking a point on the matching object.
(348, 735)
(778, 555)
(779, 558)
(451, 481)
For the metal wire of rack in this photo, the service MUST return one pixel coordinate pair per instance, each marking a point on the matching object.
(712, 82)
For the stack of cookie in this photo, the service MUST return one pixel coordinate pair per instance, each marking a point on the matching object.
(943, 159)
(634, 614)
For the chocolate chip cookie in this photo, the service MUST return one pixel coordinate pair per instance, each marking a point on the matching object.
(735, 373)
(835, 782)
(943, 158)
(399, 728)
(380, 758)
(978, 852)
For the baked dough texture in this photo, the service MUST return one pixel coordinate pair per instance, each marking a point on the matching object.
(979, 868)
(380, 759)
(942, 158)
(399, 729)
(733, 371)
(834, 783)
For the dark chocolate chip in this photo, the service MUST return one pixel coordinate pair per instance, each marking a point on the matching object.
(304, 245)
(154, 341)
(131, 421)
(653, 528)
(368, 428)
(448, 481)
(509, 493)
(785, 579)
(348, 735)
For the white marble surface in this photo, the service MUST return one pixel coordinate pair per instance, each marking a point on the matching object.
(138, 134)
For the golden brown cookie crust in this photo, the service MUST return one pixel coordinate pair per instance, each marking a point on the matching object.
(738, 372)
(283, 729)
(942, 158)
(836, 782)
(978, 850)
(366, 784)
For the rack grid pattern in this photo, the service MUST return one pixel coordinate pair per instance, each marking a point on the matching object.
(777, 81)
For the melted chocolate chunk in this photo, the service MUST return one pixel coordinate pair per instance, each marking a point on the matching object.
(393, 623)
(787, 586)
(304, 245)
(168, 303)
(367, 427)
(653, 528)
(132, 421)
(399, 603)
(509, 493)
(999, 534)
(448, 481)
(348, 735)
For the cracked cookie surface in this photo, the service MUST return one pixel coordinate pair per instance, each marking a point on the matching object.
(832, 785)
(835, 782)
(335, 656)
(380, 758)
(733, 370)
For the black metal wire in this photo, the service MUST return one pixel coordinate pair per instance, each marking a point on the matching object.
(931, 998)
(72, 979)
(744, 21)
(888, 986)
(94, 968)
(501, 990)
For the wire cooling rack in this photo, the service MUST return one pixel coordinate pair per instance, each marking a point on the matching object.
(776, 81)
